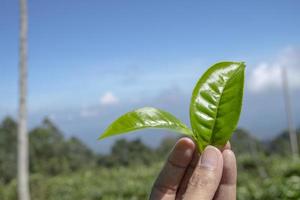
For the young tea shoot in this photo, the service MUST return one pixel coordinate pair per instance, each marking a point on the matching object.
(214, 109)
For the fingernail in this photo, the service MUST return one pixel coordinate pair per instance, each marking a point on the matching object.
(209, 157)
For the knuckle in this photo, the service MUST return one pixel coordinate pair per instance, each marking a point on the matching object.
(164, 189)
(202, 177)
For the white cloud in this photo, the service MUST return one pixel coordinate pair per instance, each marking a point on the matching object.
(88, 112)
(267, 75)
(109, 99)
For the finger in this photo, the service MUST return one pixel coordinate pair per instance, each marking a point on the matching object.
(206, 177)
(227, 146)
(190, 170)
(170, 177)
(188, 174)
(227, 187)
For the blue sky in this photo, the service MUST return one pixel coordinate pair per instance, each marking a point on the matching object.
(90, 61)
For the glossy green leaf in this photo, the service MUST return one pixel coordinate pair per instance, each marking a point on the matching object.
(145, 118)
(216, 103)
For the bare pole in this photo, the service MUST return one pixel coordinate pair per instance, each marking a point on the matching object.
(23, 158)
(288, 108)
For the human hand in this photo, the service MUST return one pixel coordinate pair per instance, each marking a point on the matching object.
(187, 175)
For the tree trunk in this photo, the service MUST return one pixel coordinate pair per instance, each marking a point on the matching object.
(289, 115)
(23, 174)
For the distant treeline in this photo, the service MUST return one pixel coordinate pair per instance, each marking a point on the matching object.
(52, 154)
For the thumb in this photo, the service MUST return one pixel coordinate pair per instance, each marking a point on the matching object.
(206, 177)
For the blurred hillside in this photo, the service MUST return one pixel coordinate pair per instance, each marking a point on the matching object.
(65, 168)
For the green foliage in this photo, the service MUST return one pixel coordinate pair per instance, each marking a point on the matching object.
(281, 143)
(125, 153)
(8, 150)
(51, 154)
(46, 147)
(214, 109)
(78, 155)
(145, 118)
(134, 182)
(274, 184)
(244, 142)
(216, 103)
(65, 169)
(119, 183)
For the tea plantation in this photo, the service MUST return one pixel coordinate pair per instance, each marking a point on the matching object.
(66, 169)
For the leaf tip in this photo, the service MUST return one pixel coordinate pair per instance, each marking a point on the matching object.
(102, 136)
(243, 64)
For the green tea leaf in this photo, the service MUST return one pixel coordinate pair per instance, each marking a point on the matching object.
(216, 103)
(145, 118)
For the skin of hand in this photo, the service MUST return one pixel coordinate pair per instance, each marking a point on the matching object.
(187, 175)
